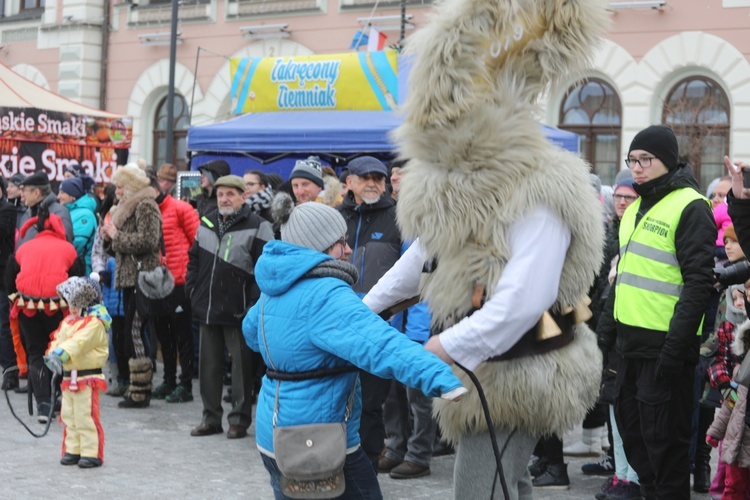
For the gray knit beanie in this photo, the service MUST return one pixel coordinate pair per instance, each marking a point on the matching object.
(311, 225)
(309, 169)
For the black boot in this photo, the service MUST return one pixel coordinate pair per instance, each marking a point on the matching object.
(702, 469)
(554, 478)
(10, 381)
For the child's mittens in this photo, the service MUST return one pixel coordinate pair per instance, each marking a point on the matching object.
(712, 441)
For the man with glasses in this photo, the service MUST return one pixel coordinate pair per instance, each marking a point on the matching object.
(370, 215)
(655, 309)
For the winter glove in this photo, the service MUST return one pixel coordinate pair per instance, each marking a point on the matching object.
(668, 367)
(712, 441)
(54, 363)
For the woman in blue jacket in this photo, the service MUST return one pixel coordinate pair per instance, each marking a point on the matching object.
(312, 320)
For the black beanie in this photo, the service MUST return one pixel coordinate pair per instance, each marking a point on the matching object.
(660, 141)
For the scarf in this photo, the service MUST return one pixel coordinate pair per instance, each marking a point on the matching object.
(260, 200)
(334, 269)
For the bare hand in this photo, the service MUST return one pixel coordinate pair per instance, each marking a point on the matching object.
(109, 230)
(735, 171)
(435, 347)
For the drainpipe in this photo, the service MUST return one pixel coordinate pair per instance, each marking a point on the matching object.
(105, 55)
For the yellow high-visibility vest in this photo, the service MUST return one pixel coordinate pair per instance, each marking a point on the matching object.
(649, 281)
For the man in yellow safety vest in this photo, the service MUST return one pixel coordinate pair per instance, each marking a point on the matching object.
(655, 310)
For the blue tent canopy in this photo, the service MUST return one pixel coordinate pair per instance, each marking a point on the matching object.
(315, 131)
(307, 132)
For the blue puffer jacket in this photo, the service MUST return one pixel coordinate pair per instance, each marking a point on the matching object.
(112, 298)
(83, 217)
(313, 323)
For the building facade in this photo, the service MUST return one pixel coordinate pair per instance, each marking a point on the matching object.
(681, 62)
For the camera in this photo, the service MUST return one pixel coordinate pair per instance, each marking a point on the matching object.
(734, 274)
(746, 178)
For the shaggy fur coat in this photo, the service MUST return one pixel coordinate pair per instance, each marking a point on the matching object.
(477, 162)
(138, 238)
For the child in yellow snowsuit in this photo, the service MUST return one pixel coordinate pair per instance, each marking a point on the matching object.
(78, 352)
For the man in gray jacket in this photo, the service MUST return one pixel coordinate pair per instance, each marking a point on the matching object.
(36, 190)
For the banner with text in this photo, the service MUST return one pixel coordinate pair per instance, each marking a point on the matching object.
(365, 81)
(38, 125)
(28, 157)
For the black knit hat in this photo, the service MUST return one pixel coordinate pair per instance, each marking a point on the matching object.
(660, 141)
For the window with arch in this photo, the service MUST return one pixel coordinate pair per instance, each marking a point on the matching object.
(181, 122)
(697, 109)
(592, 110)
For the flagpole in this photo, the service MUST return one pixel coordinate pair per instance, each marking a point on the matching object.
(368, 25)
(403, 24)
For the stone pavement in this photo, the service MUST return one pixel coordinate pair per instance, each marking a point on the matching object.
(149, 453)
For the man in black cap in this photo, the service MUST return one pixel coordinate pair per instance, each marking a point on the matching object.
(370, 215)
(655, 310)
(210, 173)
(36, 190)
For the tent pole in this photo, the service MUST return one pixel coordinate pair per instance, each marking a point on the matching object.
(170, 94)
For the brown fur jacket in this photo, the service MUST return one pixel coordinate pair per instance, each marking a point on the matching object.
(138, 237)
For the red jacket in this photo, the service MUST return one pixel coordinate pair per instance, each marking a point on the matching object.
(42, 263)
(179, 225)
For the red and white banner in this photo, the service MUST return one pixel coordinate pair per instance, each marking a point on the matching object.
(376, 41)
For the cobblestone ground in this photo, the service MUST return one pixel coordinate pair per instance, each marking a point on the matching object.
(149, 453)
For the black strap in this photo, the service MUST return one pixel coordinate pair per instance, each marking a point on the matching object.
(320, 373)
(529, 345)
(84, 373)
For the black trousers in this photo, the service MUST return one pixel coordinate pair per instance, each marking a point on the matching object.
(654, 418)
(7, 353)
(371, 425)
(175, 334)
(35, 334)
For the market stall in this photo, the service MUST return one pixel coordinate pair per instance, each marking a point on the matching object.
(40, 130)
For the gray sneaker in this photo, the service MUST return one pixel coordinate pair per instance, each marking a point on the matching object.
(117, 390)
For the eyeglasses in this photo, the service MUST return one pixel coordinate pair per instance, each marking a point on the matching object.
(644, 162)
(625, 197)
(251, 184)
(372, 177)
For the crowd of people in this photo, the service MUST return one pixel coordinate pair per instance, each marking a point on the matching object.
(263, 278)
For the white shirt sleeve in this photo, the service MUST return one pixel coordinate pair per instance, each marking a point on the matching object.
(527, 287)
(400, 283)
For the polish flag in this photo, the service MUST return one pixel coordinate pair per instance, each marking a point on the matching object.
(376, 41)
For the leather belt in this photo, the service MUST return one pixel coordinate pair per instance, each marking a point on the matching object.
(530, 344)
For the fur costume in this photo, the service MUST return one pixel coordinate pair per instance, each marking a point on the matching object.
(471, 137)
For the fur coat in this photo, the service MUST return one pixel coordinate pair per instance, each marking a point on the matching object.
(138, 238)
(477, 162)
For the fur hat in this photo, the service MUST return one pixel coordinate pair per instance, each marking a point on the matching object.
(79, 292)
(309, 169)
(167, 172)
(310, 225)
(729, 233)
(73, 187)
(131, 177)
(660, 141)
